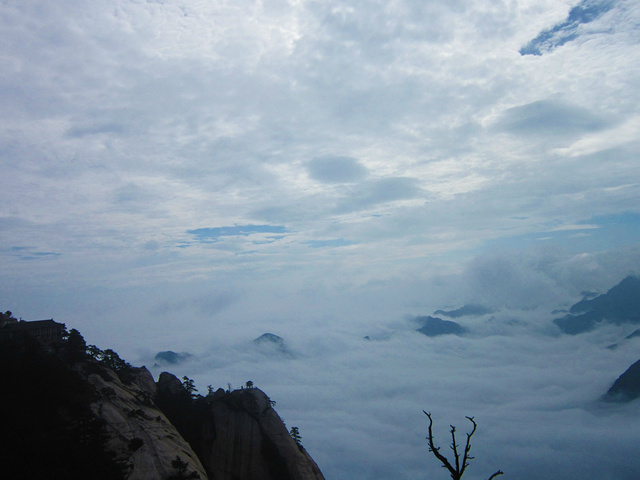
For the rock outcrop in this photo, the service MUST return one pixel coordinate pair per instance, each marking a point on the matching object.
(139, 434)
(236, 434)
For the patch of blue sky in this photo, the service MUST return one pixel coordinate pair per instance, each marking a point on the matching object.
(585, 12)
(211, 235)
(248, 252)
(336, 242)
(269, 239)
(39, 255)
(30, 253)
(624, 222)
(595, 234)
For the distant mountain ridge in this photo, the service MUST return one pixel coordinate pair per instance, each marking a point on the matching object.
(620, 305)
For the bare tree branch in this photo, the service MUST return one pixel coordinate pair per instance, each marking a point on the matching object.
(436, 452)
(454, 447)
(467, 448)
(460, 467)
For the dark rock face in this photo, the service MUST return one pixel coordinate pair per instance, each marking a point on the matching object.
(627, 386)
(252, 442)
(168, 384)
(48, 426)
(236, 434)
(465, 311)
(619, 305)
(434, 326)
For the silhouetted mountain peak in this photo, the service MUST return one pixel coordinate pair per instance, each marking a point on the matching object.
(270, 342)
(619, 300)
(621, 304)
(270, 338)
(434, 326)
(627, 386)
(172, 357)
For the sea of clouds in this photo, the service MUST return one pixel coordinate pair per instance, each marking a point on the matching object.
(358, 402)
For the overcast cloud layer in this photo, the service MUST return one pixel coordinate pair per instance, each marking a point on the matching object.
(189, 175)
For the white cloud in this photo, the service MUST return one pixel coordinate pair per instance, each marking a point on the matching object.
(550, 118)
(334, 169)
(620, 135)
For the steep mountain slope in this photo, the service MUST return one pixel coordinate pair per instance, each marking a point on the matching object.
(621, 304)
(139, 435)
(71, 411)
(627, 386)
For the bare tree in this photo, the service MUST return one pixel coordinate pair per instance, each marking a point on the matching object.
(461, 459)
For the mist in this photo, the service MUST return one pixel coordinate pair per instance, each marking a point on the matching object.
(534, 392)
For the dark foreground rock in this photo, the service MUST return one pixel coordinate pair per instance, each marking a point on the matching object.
(71, 411)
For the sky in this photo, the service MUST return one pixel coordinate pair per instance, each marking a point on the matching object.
(188, 175)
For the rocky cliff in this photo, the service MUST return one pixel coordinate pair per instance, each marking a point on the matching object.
(138, 433)
(77, 412)
(236, 434)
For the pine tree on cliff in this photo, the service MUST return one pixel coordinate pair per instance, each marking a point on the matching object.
(295, 434)
(190, 386)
